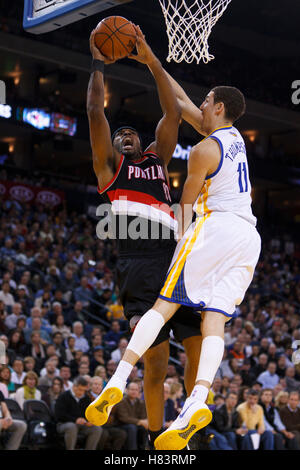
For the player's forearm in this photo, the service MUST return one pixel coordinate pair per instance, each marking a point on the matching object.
(166, 93)
(189, 111)
(95, 94)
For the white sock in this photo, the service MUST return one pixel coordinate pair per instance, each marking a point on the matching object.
(200, 393)
(146, 332)
(212, 351)
(123, 370)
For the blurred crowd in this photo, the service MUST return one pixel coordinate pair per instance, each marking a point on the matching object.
(64, 332)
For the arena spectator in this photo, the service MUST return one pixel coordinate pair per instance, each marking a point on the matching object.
(113, 336)
(117, 354)
(281, 366)
(53, 392)
(29, 389)
(5, 379)
(29, 364)
(130, 415)
(49, 373)
(214, 389)
(82, 292)
(111, 368)
(281, 399)
(97, 358)
(248, 378)
(228, 368)
(290, 415)
(177, 395)
(101, 372)
(226, 425)
(70, 407)
(16, 428)
(65, 374)
(36, 350)
(11, 320)
(70, 349)
(291, 383)
(237, 351)
(18, 373)
(58, 347)
(170, 413)
(261, 365)
(37, 328)
(252, 418)
(282, 438)
(5, 295)
(60, 326)
(3, 386)
(269, 378)
(81, 342)
(16, 341)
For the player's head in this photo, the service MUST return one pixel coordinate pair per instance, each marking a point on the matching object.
(223, 105)
(127, 141)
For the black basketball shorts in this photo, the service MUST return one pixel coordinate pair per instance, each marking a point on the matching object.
(140, 280)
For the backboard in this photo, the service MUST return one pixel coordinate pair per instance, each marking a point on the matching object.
(42, 16)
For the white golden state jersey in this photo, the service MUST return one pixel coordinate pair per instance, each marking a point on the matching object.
(228, 189)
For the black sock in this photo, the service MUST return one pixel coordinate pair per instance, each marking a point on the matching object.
(153, 435)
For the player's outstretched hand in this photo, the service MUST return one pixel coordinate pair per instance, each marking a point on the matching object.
(144, 51)
(95, 51)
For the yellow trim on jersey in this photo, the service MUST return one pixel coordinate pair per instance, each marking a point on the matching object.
(202, 208)
(217, 129)
(177, 267)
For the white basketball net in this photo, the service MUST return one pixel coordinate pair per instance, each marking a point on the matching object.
(189, 24)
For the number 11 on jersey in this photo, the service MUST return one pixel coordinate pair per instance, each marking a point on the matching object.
(243, 177)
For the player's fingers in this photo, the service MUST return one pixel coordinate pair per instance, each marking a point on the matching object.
(132, 56)
(92, 39)
(141, 32)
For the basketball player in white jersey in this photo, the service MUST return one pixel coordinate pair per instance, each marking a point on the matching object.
(214, 261)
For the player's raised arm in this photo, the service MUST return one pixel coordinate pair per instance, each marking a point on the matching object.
(189, 111)
(100, 135)
(203, 160)
(167, 129)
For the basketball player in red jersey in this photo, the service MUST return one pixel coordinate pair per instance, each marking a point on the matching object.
(129, 178)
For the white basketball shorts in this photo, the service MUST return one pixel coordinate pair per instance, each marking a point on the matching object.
(213, 264)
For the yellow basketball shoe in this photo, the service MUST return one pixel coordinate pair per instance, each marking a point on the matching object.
(195, 415)
(98, 411)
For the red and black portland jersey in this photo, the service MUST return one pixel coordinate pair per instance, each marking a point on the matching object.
(139, 194)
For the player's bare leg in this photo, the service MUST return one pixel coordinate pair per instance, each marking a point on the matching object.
(156, 362)
(192, 347)
(143, 337)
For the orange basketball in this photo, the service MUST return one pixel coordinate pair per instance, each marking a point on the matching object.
(115, 37)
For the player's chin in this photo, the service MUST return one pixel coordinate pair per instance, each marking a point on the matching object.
(131, 154)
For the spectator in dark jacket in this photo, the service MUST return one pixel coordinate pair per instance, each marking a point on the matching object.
(283, 439)
(290, 415)
(170, 413)
(70, 407)
(226, 424)
(130, 414)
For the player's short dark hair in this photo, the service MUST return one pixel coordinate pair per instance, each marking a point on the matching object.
(233, 99)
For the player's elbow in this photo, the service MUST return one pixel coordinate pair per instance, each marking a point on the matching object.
(174, 115)
(94, 111)
(177, 111)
